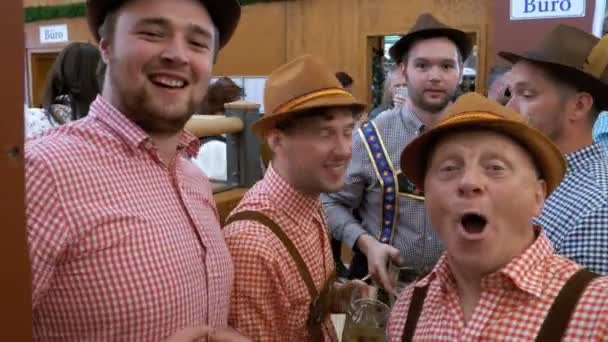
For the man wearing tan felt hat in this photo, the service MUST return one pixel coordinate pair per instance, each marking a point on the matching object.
(379, 213)
(560, 87)
(284, 284)
(486, 173)
(124, 238)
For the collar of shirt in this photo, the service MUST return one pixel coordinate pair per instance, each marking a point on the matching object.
(525, 272)
(287, 199)
(133, 136)
(411, 120)
(579, 159)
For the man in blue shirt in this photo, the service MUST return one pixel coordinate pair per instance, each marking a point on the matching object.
(600, 131)
(561, 88)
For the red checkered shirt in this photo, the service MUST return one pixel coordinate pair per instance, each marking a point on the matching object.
(270, 301)
(512, 306)
(122, 247)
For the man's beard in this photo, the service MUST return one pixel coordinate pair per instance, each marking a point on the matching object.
(141, 109)
(418, 100)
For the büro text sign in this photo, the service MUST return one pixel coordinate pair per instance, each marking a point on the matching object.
(546, 9)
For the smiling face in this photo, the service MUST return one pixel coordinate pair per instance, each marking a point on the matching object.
(433, 70)
(313, 153)
(482, 191)
(159, 61)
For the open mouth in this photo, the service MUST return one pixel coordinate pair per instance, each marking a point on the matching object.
(473, 223)
(168, 82)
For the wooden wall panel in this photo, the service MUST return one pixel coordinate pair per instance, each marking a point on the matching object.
(335, 30)
(258, 46)
(338, 30)
(15, 312)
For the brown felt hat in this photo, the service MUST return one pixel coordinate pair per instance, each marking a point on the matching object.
(427, 27)
(475, 112)
(225, 15)
(577, 57)
(302, 84)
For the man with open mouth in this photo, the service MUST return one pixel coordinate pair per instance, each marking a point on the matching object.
(486, 175)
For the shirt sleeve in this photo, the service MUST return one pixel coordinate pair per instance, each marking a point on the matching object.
(47, 224)
(339, 206)
(259, 299)
(587, 242)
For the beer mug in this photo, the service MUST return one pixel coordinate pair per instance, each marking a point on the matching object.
(365, 320)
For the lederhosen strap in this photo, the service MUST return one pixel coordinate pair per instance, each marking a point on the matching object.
(554, 325)
(321, 302)
(413, 314)
(563, 306)
(383, 167)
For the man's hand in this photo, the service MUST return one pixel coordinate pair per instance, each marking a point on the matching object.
(378, 256)
(344, 293)
(190, 334)
(227, 334)
(199, 332)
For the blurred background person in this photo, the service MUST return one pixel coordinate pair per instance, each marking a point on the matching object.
(498, 84)
(395, 92)
(71, 86)
(212, 154)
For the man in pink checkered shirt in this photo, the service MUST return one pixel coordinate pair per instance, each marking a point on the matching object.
(486, 174)
(123, 232)
(308, 127)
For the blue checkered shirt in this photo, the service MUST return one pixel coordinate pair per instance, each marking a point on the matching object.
(575, 216)
(600, 131)
(414, 236)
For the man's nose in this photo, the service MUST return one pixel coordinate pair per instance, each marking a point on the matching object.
(175, 51)
(471, 182)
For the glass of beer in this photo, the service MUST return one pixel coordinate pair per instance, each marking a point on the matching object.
(365, 320)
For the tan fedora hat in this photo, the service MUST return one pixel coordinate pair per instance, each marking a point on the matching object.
(225, 15)
(577, 57)
(475, 112)
(427, 27)
(302, 84)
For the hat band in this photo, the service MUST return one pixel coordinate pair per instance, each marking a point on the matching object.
(311, 96)
(471, 115)
(597, 61)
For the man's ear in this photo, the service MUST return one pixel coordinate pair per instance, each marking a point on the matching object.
(540, 194)
(581, 104)
(274, 139)
(104, 48)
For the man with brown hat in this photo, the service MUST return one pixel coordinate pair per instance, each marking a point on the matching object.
(561, 87)
(124, 236)
(277, 236)
(379, 213)
(486, 174)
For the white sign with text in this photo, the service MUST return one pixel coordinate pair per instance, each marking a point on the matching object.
(54, 34)
(545, 9)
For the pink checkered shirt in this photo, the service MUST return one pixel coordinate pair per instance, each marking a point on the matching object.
(270, 301)
(122, 247)
(513, 304)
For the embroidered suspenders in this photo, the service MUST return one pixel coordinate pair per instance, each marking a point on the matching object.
(392, 183)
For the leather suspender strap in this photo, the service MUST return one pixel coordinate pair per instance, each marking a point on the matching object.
(414, 312)
(280, 234)
(556, 322)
